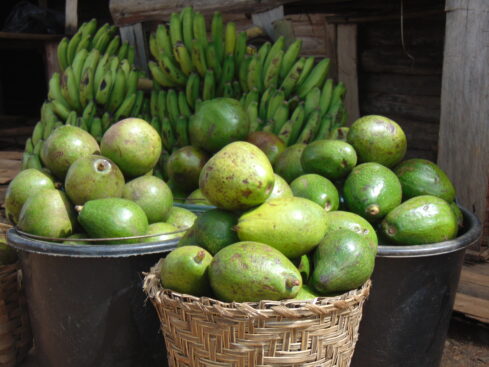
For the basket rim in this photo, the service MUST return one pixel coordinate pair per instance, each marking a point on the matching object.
(263, 309)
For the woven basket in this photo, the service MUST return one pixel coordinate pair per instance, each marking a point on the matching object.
(206, 332)
(15, 332)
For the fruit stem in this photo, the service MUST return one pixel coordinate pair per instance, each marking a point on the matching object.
(199, 257)
(373, 209)
(78, 208)
(292, 282)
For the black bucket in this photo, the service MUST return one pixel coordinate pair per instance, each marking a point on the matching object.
(86, 303)
(197, 209)
(406, 317)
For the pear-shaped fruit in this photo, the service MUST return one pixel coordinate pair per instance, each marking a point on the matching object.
(133, 144)
(71, 240)
(294, 226)
(185, 270)
(184, 166)
(422, 177)
(181, 218)
(93, 177)
(113, 217)
(197, 198)
(304, 265)
(213, 230)
(458, 213)
(371, 191)
(64, 146)
(48, 213)
(152, 194)
(378, 139)
(288, 164)
(353, 222)
(343, 261)
(332, 159)
(420, 220)
(306, 293)
(27, 183)
(164, 232)
(239, 176)
(269, 143)
(281, 189)
(318, 189)
(251, 271)
(218, 122)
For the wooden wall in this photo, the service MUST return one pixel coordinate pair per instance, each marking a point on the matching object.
(404, 85)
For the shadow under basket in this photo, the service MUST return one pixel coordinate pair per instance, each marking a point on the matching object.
(15, 331)
(201, 331)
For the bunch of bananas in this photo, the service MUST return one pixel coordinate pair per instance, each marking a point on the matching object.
(282, 92)
(88, 37)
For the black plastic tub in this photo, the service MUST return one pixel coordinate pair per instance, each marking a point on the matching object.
(406, 317)
(86, 303)
(195, 208)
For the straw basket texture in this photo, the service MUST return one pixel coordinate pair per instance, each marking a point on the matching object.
(206, 332)
(15, 332)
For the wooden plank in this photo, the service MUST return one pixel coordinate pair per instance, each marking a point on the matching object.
(347, 68)
(51, 59)
(29, 36)
(414, 85)
(126, 12)
(339, 19)
(135, 36)
(472, 306)
(464, 131)
(265, 20)
(71, 16)
(331, 46)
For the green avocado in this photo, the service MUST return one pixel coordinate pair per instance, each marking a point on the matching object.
(184, 166)
(294, 226)
(70, 239)
(340, 133)
(270, 143)
(343, 261)
(281, 189)
(422, 177)
(251, 272)
(186, 270)
(378, 139)
(164, 232)
(197, 198)
(458, 214)
(318, 189)
(212, 230)
(218, 122)
(306, 293)
(181, 218)
(353, 222)
(113, 217)
(371, 191)
(304, 265)
(288, 164)
(48, 213)
(27, 183)
(420, 220)
(332, 159)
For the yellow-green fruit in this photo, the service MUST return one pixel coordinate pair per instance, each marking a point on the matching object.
(152, 194)
(70, 240)
(64, 146)
(185, 270)
(420, 220)
(27, 183)
(306, 293)
(238, 177)
(184, 166)
(288, 164)
(180, 217)
(133, 144)
(281, 189)
(318, 189)
(294, 226)
(48, 213)
(93, 177)
(378, 139)
(197, 198)
(270, 143)
(164, 232)
(251, 271)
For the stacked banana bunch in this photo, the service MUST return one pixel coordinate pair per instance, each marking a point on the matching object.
(98, 86)
(282, 92)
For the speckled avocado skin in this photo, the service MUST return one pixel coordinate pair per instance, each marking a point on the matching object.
(422, 177)
(288, 164)
(343, 261)
(251, 271)
(318, 189)
(378, 139)
(239, 176)
(294, 226)
(184, 166)
(420, 220)
(281, 189)
(371, 191)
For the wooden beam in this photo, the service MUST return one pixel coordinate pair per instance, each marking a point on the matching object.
(347, 68)
(341, 19)
(71, 16)
(135, 36)
(125, 12)
(331, 48)
(51, 59)
(464, 130)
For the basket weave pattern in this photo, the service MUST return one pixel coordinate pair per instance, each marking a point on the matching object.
(15, 332)
(206, 332)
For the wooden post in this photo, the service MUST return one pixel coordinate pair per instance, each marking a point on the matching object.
(51, 58)
(135, 36)
(71, 16)
(347, 68)
(331, 48)
(463, 144)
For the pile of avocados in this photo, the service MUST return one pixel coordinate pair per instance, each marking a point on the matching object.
(293, 222)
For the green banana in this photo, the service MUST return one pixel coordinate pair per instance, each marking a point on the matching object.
(209, 89)
(172, 105)
(72, 45)
(187, 26)
(123, 50)
(155, 122)
(96, 129)
(277, 46)
(161, 104)
(175, 29)
(217, 31)
(324, 128)
(132, 82)
(36, 149)
(289, 83)
(263, 51)
(252, 112)
(168, 138)
(48, 128)
(90, 110)
(70, 89)
(199, 29)
(290, 133)
(312, 100)
(90, 28)
(84, 44)
(280, 117)
(198, 56)
(78, 63)
(254, 79)
(153, 100)
(62, 54)
(212, 59)
(240, 50)
(271, 73)
(38, 132)
(290, 58)
(71, 120)
(227, 72)
(29, 147)
(181, 130)
(192, 89)
(183, 106)
(100, 70)
(183, 58)
(227, 90)
(138, 103)
(160, 76)
(243, 72)
(163, 42)
(103, 42)
(106, 121)
(60, 109)
(118, 92)
(277, 97)
(86, 87)
(237, 89)
(251, 96)
(34, 162)
(230, 38)
(263, 106)
(47, 112)
(126, 106)
(306, 69)
(104, 88)
(101, 31)
(167, 65)
(153, 47)
(315, 78)
(310, 129)
(326, 96)
(91, 61)
(55, 90)
(113, 45)
(131, 54)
